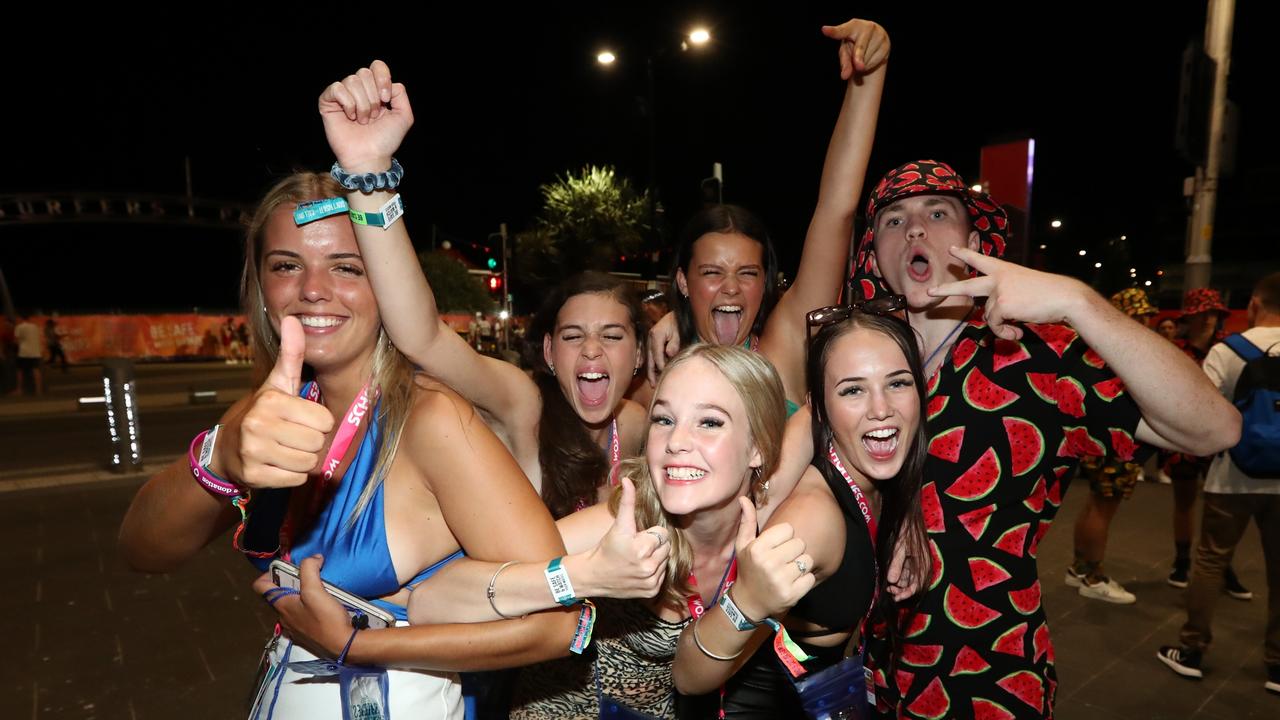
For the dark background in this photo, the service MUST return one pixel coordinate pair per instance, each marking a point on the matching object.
(114, 98)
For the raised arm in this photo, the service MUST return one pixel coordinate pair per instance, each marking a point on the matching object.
(365, 119)
(863, 51)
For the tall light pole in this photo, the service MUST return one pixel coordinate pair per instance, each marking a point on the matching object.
(1217, 43)
(696, 37)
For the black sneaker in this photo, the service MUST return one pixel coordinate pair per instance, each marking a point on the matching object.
(1273, 679)
(1231, 584)
(1182, 660)
(1178, 577)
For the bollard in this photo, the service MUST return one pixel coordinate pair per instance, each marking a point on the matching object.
(119, 388)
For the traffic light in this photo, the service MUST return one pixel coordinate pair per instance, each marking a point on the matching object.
(493, 264)
(495, 284)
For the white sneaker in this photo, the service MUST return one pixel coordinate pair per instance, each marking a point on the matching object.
(1072, 579)
(1108, 591)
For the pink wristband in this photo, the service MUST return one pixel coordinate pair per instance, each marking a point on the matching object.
(200, 465)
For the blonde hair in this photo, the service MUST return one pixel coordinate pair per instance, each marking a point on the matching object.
(760, 390)
(392, 375)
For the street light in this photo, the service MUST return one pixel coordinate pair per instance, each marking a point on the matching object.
(1083, 253)
(1097, 264)
(697, 37)
(1055, 224)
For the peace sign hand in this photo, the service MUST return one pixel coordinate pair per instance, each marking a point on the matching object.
(1014, 293)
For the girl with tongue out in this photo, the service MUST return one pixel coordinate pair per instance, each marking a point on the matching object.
(724, 283)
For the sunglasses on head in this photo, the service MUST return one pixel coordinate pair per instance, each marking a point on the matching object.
(886, 305)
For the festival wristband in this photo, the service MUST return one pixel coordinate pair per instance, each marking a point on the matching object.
(558, 581)
(739, 620)
(586, 623)
(319, 209)
(791, 654)
(386, 216)
(200, 465)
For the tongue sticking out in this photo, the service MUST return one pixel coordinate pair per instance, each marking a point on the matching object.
(726, 325)
(593, 391)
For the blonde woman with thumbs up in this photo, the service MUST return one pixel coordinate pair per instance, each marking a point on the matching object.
(347, 453)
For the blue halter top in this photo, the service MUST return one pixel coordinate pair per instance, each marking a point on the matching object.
(356, 555)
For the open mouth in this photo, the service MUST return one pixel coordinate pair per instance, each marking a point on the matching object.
(918, 267)
(593, 388)
(727, 320)
(683, 474)
(881, 443)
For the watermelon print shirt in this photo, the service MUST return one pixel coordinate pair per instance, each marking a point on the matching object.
(1008, 423)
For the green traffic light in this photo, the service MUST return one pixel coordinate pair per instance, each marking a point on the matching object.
(492, 263)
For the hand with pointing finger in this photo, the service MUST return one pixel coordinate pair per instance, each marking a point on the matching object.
(864, 46)
(277, 441)
(774, 571)
(1015, 293)
(627, 563)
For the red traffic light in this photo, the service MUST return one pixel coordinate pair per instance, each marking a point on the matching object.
(495, 283)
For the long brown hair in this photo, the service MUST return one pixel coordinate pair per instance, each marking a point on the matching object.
(760, 389)
(572, 464)
(393, 373)
(900, 517)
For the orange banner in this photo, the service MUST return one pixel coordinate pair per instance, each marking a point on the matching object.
(176, 336)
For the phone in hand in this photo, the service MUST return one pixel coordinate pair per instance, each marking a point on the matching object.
(285, 574)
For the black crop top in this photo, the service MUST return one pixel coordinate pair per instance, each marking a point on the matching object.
(840, 602)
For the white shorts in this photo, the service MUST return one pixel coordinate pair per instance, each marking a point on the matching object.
(290, 695)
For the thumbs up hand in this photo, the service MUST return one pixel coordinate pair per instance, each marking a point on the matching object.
(627, 563)
(277, 440)
(774, 571)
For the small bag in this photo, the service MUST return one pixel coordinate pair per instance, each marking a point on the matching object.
(841, 692)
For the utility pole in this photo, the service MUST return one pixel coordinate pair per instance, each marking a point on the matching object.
(1219, 22)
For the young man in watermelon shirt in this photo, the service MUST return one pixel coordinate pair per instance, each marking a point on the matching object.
(1231, 499)
(1025, 377)
(1110, 481)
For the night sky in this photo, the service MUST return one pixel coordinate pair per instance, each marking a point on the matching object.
(113, 100)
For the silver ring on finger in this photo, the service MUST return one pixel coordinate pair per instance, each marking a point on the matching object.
(802, 566)
(662, 538)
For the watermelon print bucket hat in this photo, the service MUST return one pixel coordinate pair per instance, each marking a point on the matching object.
(1203, 300)
(926, 177)
(1133, 302)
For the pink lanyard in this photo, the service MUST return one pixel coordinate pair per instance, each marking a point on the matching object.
(346, 433)
(695, 600)
(871, 533)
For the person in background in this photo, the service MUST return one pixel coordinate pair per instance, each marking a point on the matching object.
(1110, 481)
(1203, 313)
(1231, 499)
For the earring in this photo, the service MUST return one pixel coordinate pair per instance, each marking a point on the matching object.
(635, 371)
(553, 370)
